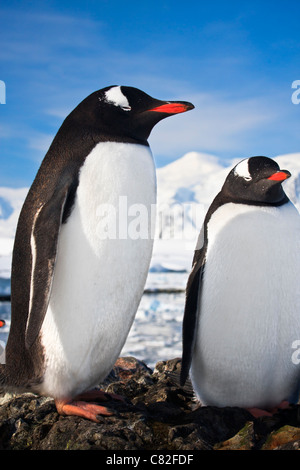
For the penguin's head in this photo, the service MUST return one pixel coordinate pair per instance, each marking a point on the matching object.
(122, 112)
(257, 180)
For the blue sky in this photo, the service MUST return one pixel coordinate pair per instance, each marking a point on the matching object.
(235, 60)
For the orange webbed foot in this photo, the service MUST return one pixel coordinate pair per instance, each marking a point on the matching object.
(258, 412)
(83, 405)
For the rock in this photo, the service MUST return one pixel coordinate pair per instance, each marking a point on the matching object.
(287, 437)
(157, 414)
(243, 440)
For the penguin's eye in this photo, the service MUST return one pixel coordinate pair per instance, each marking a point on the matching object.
(247, 178)
(126, 108)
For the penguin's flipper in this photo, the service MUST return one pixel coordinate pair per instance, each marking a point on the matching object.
(193, 292)
(44, 240)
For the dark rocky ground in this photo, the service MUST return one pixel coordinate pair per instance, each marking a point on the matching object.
(157, 415)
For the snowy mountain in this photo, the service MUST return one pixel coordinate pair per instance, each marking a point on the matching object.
(197, 177)
(186, 187)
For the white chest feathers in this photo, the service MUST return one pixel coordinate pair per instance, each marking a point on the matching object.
(249, 309)
(103, 258)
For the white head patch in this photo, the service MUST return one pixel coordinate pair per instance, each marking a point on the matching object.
(115, 96)
(242, 169)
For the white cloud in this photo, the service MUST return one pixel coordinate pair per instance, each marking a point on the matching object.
(217, 124)
(40, 142)
(59, 112)
(64, 58)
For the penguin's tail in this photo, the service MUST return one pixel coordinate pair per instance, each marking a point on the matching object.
(3, 377)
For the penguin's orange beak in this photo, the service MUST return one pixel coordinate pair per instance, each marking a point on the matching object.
(280, 175)
(173, 108)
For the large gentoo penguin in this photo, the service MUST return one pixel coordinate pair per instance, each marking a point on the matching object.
(74, 291)
(242, 297)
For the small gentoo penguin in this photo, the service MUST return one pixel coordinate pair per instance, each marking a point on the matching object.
(75, 292)
(242, 297)
(2, 323)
